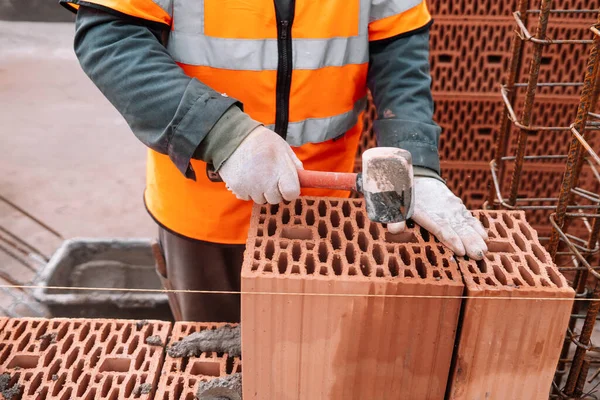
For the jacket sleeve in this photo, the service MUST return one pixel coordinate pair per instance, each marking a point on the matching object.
(167, 110)
(400, 82)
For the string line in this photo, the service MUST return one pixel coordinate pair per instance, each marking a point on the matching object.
(401, 296)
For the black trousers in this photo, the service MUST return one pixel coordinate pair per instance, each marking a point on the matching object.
(198, 265)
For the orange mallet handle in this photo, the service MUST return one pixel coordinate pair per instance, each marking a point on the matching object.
(327, 180)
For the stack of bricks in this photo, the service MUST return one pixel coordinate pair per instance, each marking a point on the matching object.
(180, 377)
(315, 321)
(510, 339)
(470, 56)
(335, 307)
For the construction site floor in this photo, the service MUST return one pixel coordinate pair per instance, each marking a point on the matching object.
(67, 157)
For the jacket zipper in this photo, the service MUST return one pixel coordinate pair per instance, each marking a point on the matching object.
(285, 19)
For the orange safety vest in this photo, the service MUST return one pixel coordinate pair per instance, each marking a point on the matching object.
(238, 47)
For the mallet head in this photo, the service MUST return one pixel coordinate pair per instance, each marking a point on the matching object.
(387, 184)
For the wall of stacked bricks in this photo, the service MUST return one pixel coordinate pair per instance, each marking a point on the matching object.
(339, 345)
(469, 107)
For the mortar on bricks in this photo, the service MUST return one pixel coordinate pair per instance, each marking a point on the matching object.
(102, 264)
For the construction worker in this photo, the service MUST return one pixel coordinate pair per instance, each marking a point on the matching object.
(258, 89)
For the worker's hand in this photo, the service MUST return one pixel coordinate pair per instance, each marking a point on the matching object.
(439, 211)
(262, 168)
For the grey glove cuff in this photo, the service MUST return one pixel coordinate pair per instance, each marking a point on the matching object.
(225, 137)
(428, 173)
(417, 137)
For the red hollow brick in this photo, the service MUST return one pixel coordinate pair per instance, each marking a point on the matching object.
(180, 377)
(84, 359)
(508, 347)
(309, 332)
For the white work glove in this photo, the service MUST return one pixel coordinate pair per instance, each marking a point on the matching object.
(443, 214)
(262, 168)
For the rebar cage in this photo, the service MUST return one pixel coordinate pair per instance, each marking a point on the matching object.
(566, 206)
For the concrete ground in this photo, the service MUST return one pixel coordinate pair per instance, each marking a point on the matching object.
(67, 158)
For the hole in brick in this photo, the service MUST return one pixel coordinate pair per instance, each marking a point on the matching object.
(352, 271)
(282, 262)
(378, 254)
(408, 273)
(525, 231)
(67, 343)
(346, 209)
(333, 203)
(323, 252)
(350, 253)
(546, 60)
(336, 240)
(517, 282)
(499, 274)
(67, 394)
(436, 275)
(322, 229)
(379, 272)
(404, 255)
(336, 264)
(365, 265)
(106, 386)
(104, 333)
(501, 230)
(259, 232)
(296, 233)
(482, 265)
(532, 264)
(444, 58)
(500, 247)
(271, 227)
(484, 131)
(334, 218)
(402, 237)
(132, 345)
(5, 353)
(374, 231)
(285, 216)
(421, 270)
(508, 220)
(507, 264)
(256, 255)
(431, 256)
(296, 251)
(24, 361)
(206, 368)
(362, 241)
(309, 202)
(295, 270)
(484, 221)
(255, 265)
(393, 266)
(348, 230)
(545, 283)
(360, 220)
(275, 207)
(448, 274)
(126, 333)
(298, 208)
(269, 250)
(494, 58)
(539, 253)
(115, 365)
(229, 365)
(268, 267)
(310, 217)
(424, 234)
(519, 241)
(24, 341)
(310, 264)
(322, 207)
(553, 275)
(323, 271)
(476, 280)
(83, 385)
(490, 281)
(526, 275)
